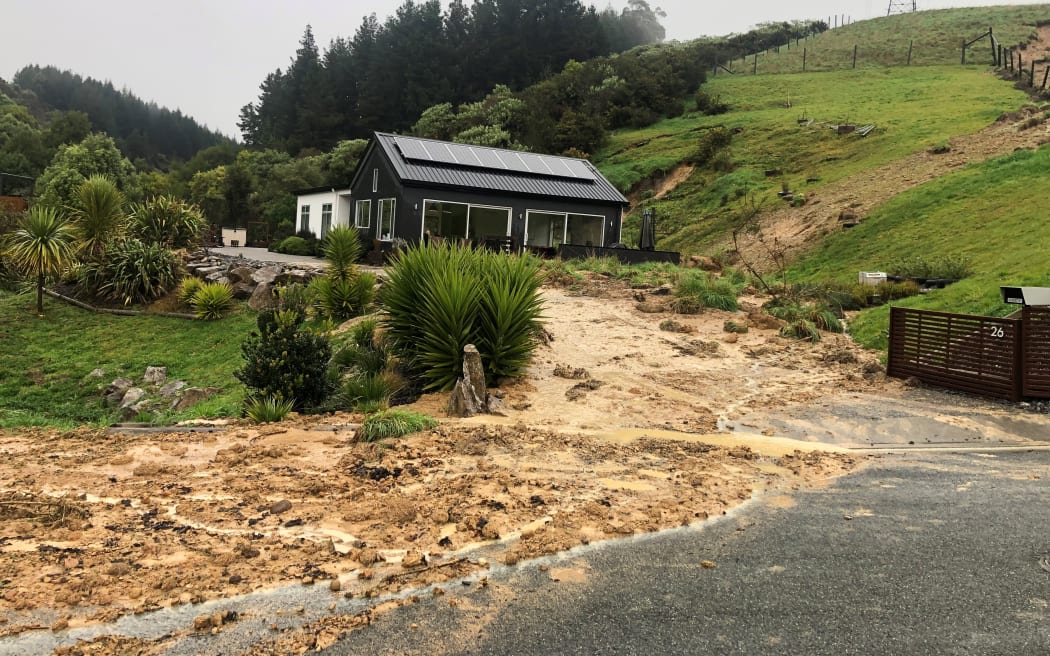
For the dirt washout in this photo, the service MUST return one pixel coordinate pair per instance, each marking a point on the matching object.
(93, 526)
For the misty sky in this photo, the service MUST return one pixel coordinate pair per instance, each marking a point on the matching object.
(208, 57)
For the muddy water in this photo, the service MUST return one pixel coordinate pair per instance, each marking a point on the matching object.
(761, 444)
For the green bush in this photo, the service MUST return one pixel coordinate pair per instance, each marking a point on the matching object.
(950, 267)
(438, 299)
(131, 271)
(700, 289)
(286, 361)
(267, 409)
(393, 423)
(188, 288)
(711, 106)
(342, 248)
(212, 301)
(805, 321)
(168, 221)
(710, 143)
(368, 392)
(340, 299)
(294, 246)
(294, 297)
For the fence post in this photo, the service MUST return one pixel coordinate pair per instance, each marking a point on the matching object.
(1046, 73)
(964, 52)
(854, 55)
(804, 63)
(1031, 75)
(1020, 64)
(991, 40)
(754, 71)
(911, 44)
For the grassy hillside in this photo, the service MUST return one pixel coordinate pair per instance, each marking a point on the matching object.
(44, 371)
(936, 37)
(913, 109)
(993, 214)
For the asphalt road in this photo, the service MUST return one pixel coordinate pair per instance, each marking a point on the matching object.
(917, 554)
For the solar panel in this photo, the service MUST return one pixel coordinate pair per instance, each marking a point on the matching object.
(413, 149)
(425, 150)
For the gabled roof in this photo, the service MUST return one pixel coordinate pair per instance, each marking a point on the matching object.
(320, 190)
(440, 163)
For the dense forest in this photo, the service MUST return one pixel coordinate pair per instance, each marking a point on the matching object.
(387, 73)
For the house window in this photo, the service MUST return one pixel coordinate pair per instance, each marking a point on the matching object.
(363, 214)
(326, 219)
(304, 218)
(552, 229)
(375, 180)
(461, 220)
(386, 218)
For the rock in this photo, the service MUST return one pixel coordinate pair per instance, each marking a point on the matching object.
(155, 375)
(135, 410)
(707, 564)
(266, 275)
(335, 585)
(470, 395)
(760, 319)
(218, 278)
(115, 392)
(703, 262)
(131, 397)
(61, 624)
(171, 390)
(649, 307)
(193, 396)
(97, 373)
(294, 276)
(496, 406)
(284, 505)
(368, 557)
(235, 579)
(205, 271)
(185, 598)
(241, 274)
(202, 622)
(263, 297)
(308, 580)
(413, 559)
(242, 291)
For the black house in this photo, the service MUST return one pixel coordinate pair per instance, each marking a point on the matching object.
(412, 188)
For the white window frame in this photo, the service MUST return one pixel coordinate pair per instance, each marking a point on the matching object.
(368, 213)
(304, 218)
(326, 218)
(565, 225)
(389, 234)
(422, 215)
(375, 180)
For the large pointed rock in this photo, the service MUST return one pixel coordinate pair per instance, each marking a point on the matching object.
(469, 396)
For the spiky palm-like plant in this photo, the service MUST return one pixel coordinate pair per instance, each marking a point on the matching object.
(509, 314)
(342, 247)
(98, 214)
(167, 221)
(43, 245)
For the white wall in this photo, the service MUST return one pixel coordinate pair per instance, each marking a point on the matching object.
(229, 235)
(340, 200)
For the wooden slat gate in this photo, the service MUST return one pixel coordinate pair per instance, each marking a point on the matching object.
(979, 355)
(1036, 357)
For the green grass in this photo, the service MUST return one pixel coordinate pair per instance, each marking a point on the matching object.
(993, 214)
(44, 372)
(914, 109)
(937, 37)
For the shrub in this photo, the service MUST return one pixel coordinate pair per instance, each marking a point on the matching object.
(212, 301)
(438, 299)
(131, 271)
(293, 246)
(702, 290)
(294, 297)
(711, 106)
(393, 423)
(267, 409)
(710, 143)
(368, 392)
(286, 361)
(731, 326)
(951, 267)
(342, 248)
(805, 321)
(188, 288)
(340, 299)
(167, 221)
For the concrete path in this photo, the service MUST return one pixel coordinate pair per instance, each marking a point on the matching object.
(263, 255)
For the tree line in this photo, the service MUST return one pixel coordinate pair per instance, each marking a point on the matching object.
(386, 74)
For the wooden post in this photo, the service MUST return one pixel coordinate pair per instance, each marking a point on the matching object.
(1031, 75)
(911, 44)
(854, 55)
(964, 52)
(1046, 73)
(754, 71)
(999, 60)
(1020, 64)
(804, 61)
(991, 40)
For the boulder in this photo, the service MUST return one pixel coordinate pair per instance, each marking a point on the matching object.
(294, 276)
(241, 274)
(218, 277)
(172, 389)
(115, 392)
(193, 396)
(131, 397)
(155, 375)
(262, 297)
(469, 395)
(266, 275)
(242, 291)
(97, 373)
(205, 271)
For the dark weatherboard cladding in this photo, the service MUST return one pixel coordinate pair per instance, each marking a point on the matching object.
(412, 189)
